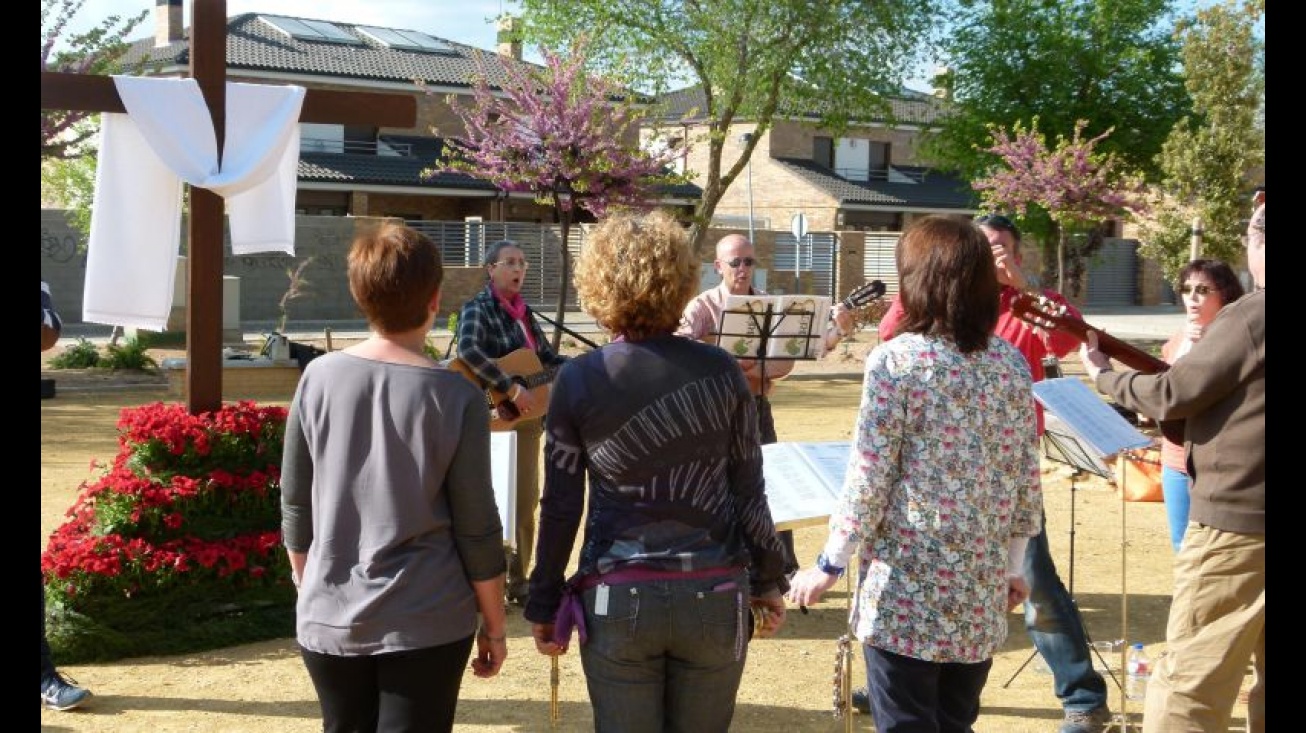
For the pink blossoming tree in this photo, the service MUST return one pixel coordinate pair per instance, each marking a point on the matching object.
(1074, 185)
(569, 139)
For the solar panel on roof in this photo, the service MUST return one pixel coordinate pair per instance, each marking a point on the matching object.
(407, 40)
(309, 30)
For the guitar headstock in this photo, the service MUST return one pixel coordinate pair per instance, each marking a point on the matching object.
(863, 294)
(1045, 313)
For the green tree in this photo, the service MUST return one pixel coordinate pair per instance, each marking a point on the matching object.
(67, 149)
(1076, 185)
(752, 59)
(1210, 156)
(1114, 63)
(561, 135)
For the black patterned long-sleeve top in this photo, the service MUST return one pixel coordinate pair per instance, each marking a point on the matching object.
(665, 431)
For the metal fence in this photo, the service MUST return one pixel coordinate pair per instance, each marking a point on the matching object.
(463, 243)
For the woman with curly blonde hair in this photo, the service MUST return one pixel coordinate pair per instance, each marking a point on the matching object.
(678, 541)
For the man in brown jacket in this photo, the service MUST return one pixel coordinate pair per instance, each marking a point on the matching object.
(1217, 614)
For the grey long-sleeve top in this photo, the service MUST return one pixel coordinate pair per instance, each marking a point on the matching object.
(385, 484)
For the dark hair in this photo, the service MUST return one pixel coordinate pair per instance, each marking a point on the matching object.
(947, 283)
(1221, 275)
(394, 271)
(999, 222)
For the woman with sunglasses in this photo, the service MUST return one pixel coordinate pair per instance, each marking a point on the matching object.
(1206, 286)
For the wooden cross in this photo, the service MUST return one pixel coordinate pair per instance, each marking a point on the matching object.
(208, 66)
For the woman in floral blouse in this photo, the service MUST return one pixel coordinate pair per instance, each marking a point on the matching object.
(941, 492)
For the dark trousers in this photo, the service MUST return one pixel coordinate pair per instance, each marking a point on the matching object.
(414, 691)
(47, 661)
(766, 427)
(911, 695)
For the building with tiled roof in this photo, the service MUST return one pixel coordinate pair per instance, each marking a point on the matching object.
(367, 171)
(868, 178)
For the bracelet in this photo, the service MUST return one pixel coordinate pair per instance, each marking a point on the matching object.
(826, 567)
(483, 635)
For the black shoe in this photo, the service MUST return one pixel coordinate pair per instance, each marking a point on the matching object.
(862, 700)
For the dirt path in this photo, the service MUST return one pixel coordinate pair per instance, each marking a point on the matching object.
(788, 681)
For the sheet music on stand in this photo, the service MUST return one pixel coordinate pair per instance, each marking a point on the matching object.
(774, 326)
(1080, 428)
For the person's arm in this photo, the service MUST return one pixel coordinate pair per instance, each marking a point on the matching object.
(51, 324)
(842, 325)
(1218, 363)
(296, 492)
(562, 503)
(473, 335)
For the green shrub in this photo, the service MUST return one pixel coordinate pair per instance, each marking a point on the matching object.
(81, 355)
(131, 354)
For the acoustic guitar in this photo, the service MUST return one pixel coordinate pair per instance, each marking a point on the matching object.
(524, 366)
(1045, 313)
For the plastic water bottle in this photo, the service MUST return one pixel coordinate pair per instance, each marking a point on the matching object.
(1138, 669)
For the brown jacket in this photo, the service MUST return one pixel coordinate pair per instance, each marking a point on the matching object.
(1218, 389)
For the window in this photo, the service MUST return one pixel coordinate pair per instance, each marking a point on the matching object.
(823, 151)
(879, 158)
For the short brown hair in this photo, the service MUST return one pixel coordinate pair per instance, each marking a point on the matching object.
(947, 282)
(636, 274)
(394, 271)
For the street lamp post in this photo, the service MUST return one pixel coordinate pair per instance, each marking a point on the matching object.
(745, 139)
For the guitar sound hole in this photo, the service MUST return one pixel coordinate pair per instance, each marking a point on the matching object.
(506, 410)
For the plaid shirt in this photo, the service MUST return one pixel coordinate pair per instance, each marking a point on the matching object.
(48, 315)
(487, 332)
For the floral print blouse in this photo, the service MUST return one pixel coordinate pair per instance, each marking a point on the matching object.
(943, 472)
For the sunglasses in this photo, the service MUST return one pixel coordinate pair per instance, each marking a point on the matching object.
(736, 262)
(1198, 289)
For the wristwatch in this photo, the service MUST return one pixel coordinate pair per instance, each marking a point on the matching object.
(826, 567)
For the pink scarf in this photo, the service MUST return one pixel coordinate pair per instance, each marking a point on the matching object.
(516, 307)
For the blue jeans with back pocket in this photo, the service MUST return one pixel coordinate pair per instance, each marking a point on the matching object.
(668, 655)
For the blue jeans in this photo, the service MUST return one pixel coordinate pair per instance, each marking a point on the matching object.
(668, 655)
(1174, 487)
(1054, 625)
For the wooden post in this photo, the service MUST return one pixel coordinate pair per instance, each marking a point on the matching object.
(208, 50)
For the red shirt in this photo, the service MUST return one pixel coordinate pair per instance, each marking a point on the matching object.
(1034, 345)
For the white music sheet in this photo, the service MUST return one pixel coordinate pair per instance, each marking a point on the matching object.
(804, 481)
(1088, 416)
(503, 475)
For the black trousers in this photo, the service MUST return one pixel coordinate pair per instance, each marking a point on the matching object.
(411, 691)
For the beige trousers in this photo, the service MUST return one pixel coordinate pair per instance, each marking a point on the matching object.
(529, 433)
(1216, 626)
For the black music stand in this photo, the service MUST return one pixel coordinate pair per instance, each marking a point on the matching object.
(1080, 430)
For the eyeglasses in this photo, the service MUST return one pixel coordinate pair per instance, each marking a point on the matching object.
(736, 262)
(1198, 289)
(514, 264)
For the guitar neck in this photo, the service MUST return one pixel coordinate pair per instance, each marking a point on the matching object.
(1130, 356)
(1026, 308)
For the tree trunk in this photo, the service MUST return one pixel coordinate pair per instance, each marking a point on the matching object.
(564, 218)
(1061, 259)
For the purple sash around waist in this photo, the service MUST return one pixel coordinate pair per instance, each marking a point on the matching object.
(571, 612)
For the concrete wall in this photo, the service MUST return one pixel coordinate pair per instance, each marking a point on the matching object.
(263, 278)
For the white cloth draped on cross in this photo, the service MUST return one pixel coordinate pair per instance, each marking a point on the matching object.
(166, 138)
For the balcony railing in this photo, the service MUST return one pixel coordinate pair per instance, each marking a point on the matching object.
(354, 147)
